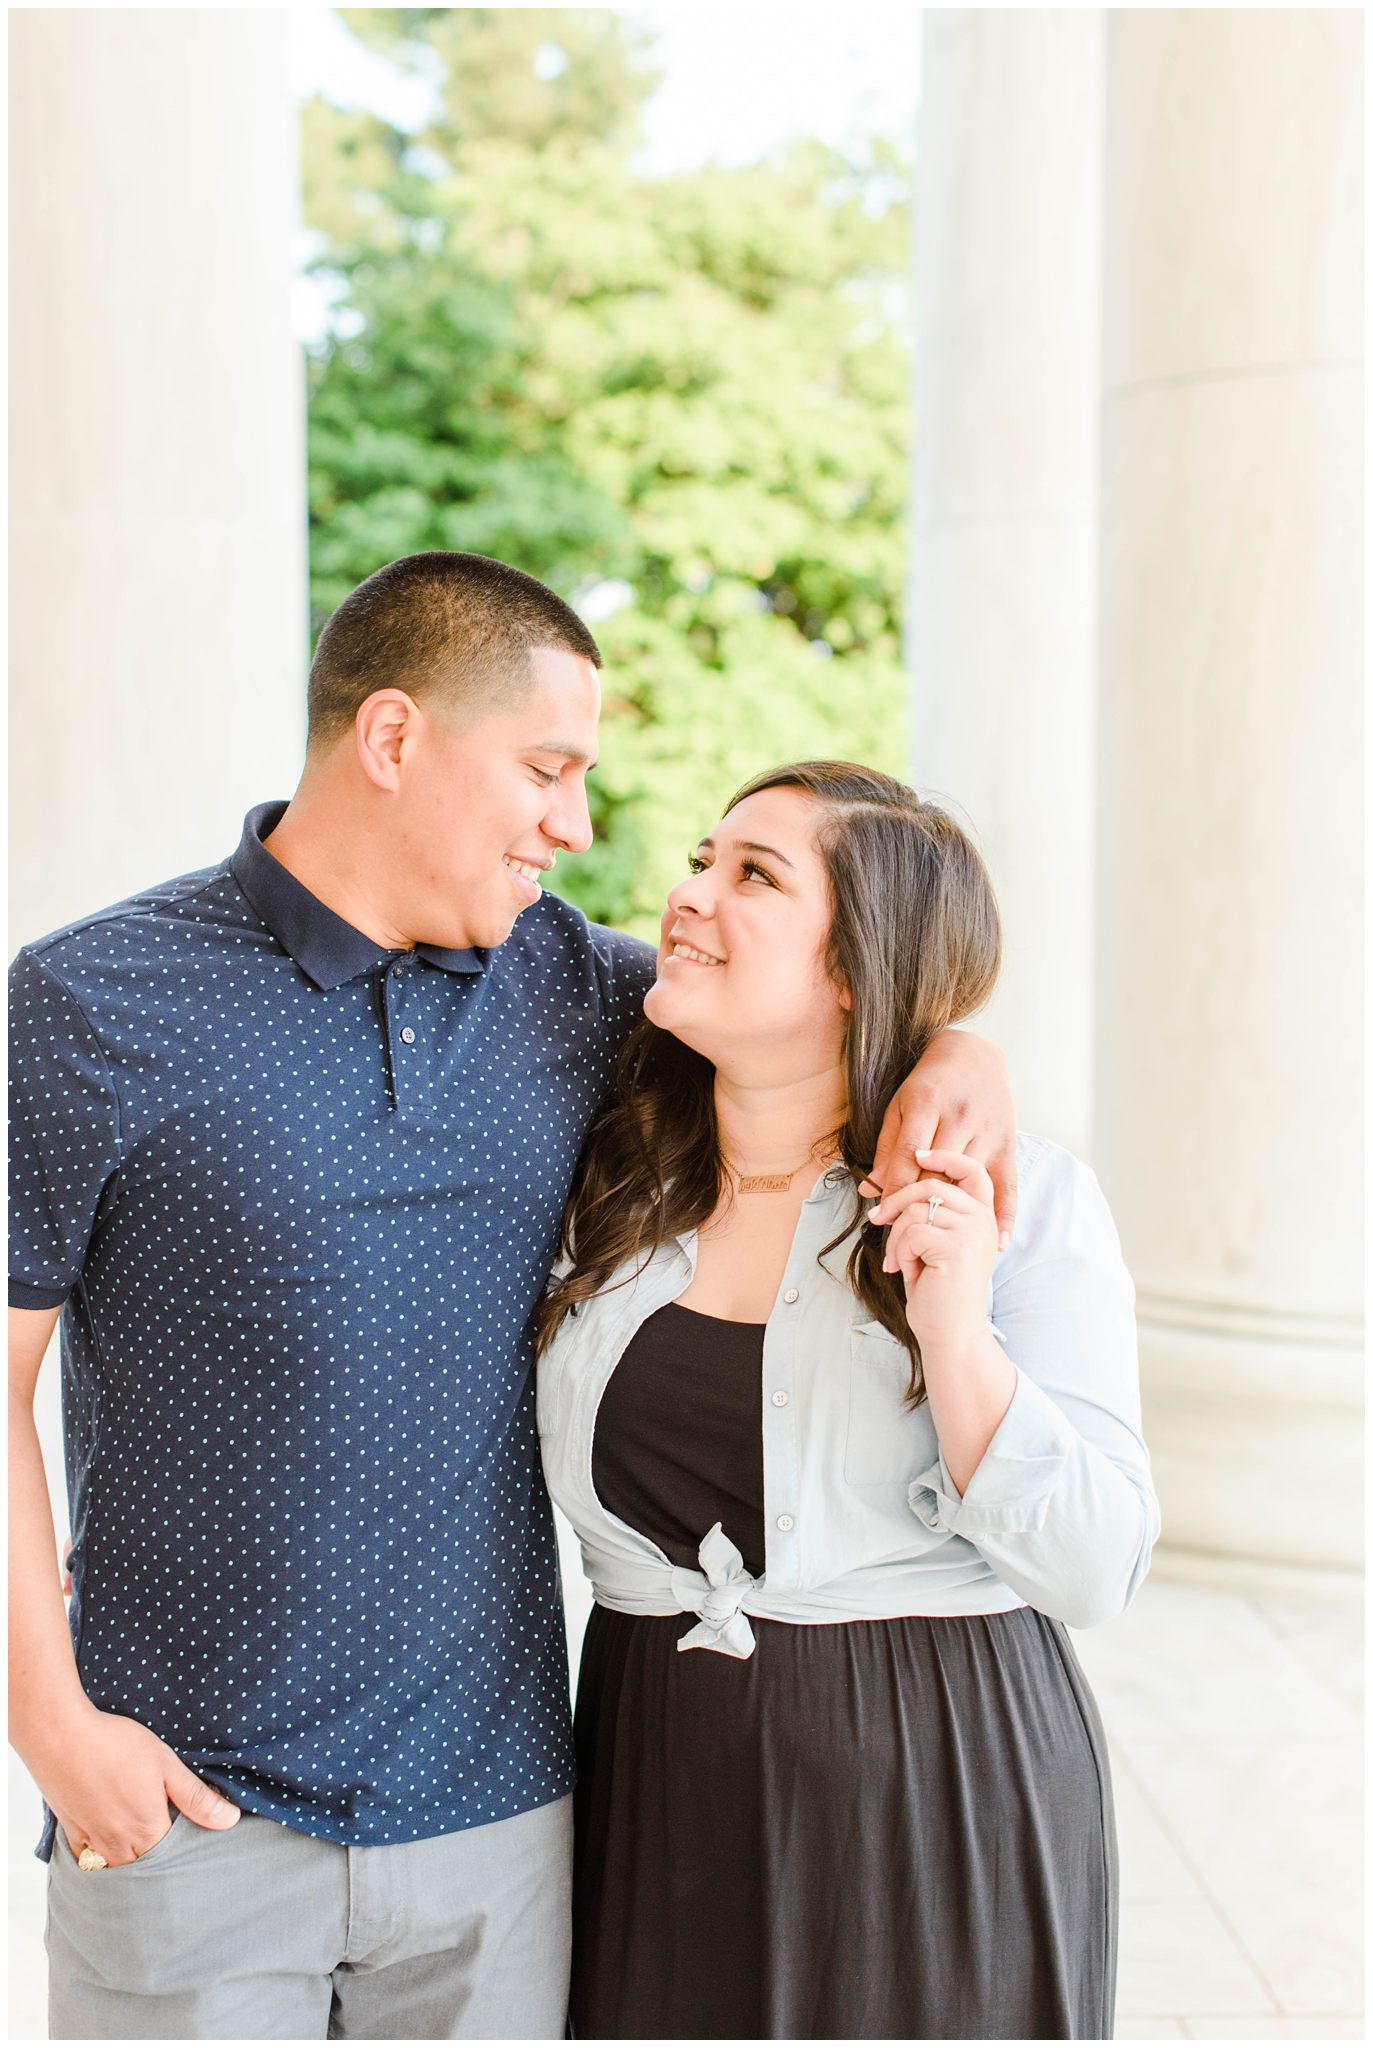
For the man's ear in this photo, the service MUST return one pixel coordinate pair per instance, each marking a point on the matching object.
(385, 722)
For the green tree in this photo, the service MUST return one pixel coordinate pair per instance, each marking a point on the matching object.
(694, 386)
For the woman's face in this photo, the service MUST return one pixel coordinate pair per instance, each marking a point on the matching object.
(741, 972)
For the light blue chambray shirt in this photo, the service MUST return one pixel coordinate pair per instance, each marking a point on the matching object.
(861, 1518)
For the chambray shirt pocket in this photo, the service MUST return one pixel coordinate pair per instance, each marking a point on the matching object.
(887, 1442)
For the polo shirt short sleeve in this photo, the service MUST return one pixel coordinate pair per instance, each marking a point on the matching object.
(298, 1196)
(64, 1136)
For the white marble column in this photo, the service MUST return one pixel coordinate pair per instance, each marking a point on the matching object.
(1002, 610)
(1228, 1122)
(159, 638)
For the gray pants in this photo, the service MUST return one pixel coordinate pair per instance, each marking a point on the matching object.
(261, 1932)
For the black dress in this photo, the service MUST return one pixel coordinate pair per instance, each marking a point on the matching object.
(871, 1829)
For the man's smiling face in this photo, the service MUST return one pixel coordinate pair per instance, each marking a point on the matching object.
(487, 804)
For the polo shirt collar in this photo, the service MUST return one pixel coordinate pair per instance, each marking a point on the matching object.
(322, 944)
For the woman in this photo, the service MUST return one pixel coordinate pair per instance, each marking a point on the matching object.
(876, 1467)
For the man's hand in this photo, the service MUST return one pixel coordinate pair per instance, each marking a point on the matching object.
(957, 1099)
(111, 1785)
(108, 1779)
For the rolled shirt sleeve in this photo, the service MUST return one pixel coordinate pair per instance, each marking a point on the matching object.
(64, 1136)
(1061, 1505)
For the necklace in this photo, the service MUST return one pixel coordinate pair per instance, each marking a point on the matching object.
(766, 1183)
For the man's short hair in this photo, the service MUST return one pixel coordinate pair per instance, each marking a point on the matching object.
(458, 625)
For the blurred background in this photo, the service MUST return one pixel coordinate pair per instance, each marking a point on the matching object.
(975, 393)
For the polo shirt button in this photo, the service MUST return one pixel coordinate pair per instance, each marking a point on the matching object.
(407, 1036)
(779, 1399)
(785, 1522)
(792, 1294)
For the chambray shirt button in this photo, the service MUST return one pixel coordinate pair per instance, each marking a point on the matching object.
(779, 1399)
(785, 1522)
(935, 1522)
(791, 1294)
(407, 1036)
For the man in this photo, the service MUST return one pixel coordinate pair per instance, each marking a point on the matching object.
(292, 1140)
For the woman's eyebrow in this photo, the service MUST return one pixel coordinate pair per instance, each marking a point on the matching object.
(751, 846)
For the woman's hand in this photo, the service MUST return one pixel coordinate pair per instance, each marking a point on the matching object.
(946, 1263)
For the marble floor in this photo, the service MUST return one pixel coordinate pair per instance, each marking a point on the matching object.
(1234, 1722)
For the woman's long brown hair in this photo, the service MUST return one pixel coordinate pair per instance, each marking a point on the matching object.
(915, 937)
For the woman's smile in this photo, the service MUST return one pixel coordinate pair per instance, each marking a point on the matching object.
(698, 958)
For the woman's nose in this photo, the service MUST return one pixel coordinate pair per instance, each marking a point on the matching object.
(695, 891)
(692, 894)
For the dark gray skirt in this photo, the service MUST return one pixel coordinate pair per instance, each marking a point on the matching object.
(871, 1829)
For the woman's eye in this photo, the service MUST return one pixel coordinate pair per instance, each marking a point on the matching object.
(749, 870)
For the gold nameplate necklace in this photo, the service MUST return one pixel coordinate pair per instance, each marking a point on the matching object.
(767, 1183)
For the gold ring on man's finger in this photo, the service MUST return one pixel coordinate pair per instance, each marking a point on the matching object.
(91, 1859)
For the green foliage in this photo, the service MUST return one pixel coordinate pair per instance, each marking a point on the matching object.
(695, 385)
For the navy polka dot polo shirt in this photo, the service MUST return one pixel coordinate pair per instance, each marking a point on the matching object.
(297, 1196)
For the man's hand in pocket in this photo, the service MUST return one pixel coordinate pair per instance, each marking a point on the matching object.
(111, 1784)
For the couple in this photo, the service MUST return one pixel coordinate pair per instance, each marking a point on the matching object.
(293, 1141)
